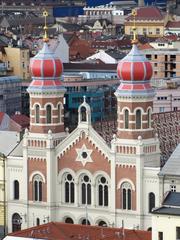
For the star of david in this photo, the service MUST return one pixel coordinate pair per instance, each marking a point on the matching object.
(84, 155)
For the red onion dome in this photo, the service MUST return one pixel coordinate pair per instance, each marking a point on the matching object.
(45, 65)
(134, 67)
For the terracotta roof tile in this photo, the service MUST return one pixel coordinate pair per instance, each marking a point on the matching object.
(21, 119)
(145, 46)
(173, 24)
(64, 231)
(147, 13)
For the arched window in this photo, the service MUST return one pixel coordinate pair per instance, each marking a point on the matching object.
(126, 119)
(151, 201)
(37, 113)
(149, 118)
(69, 188)
(37, 188)
(102, 223)
(69, 220)
(59, 113)
(102, 192)
(126, 196)
(16, 189)
(85, 222)
(85, 190)
(37, 221)
(16, 222)
(83, 114)
(48, 114)
(138, 119)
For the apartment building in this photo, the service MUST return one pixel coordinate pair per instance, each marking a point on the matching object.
(165, 62)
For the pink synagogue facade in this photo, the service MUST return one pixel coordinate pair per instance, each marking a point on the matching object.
(54, 175)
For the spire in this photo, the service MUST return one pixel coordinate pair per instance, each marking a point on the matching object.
(84, 99)
(45, 38)
(134, 14)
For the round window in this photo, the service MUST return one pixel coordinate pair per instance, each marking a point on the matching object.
(69, 177)
(86, 178)
(103, 180)
(84, 154)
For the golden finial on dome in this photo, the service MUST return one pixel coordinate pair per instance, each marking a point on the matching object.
(45, 15)
(134, 14)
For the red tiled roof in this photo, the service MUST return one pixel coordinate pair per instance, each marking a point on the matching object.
(1, 116)
(21, 119)
(173, 24)
(145, 46)
(64, 231)
(80, 48)
(147, 13)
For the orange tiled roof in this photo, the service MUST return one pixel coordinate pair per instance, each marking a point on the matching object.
(173, 24)
(64, 231)
(147, 13)
(145, 46)
(21, 119)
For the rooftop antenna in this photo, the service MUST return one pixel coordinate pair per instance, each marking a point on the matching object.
(134, 14)
(45, 15)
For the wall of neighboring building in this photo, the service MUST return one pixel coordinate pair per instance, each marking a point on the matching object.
(165, 63)
(166, 100)
(165, 224)
(151, 29)
(1, 195)
(10, 94)
(18, 61)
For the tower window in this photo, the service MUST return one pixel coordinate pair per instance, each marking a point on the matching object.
(37, 113)
(138, 119)
(59, 113)
(48, 114)
(151, 201)
(83, 114)
(16, 189)
(37, 188)
(126, 119)
(126, 196)
(149, 118)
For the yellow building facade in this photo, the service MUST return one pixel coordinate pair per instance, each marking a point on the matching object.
(17, 60)
(149, 21)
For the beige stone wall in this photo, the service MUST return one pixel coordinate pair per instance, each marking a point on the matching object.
(151, 28)
(18, 59)
(163, 64)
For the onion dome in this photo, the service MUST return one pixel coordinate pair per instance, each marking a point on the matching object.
(134, 67)
(46, 70)
(134, 72)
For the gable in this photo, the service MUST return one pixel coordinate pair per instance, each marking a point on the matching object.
(84, 152)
